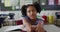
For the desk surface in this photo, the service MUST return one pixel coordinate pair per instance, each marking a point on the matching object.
(51, 28)
(9, 28)
(48, 28)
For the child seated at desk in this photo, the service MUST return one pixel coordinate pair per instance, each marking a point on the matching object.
(30, 20)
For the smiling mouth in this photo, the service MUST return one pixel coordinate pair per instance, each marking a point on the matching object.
(32, 15)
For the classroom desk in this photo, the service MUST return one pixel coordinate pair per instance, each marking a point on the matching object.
(48, 28)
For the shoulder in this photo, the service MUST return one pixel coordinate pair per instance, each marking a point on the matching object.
(25, 18)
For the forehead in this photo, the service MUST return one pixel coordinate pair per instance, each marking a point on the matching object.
(30, 7)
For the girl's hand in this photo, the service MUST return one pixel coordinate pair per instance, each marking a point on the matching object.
(39, 27)
(33, 27)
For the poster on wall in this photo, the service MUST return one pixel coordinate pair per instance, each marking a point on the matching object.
(25, 2)
(50, 2)
(28, 2)
(58, 2)
(2, 1)
(14, 2)
(7, 3)
(21, 3)
(43, 2)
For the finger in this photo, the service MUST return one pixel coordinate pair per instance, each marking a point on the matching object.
(39, 23)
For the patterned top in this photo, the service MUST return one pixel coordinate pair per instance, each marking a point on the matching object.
(36, 22)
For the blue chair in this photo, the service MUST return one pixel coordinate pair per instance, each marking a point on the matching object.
(2, 18)
(57, 22)
(57, 15)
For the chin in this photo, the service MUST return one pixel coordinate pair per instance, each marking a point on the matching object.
(32, 18)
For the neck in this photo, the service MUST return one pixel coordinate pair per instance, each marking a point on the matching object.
(33, 19)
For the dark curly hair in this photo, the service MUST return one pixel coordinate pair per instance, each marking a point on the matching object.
(24, 8)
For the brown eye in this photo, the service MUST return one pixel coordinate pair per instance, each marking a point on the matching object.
(29, 11)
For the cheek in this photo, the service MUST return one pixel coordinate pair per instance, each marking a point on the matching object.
(28, 14)
(35, 13)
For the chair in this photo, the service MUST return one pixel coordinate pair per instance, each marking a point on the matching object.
(57, 22)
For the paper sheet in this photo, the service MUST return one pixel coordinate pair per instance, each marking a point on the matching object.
(7, 3)
(50, 2)
(58, 2)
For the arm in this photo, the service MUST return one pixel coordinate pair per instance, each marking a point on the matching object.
(28, 25)
(39, 27)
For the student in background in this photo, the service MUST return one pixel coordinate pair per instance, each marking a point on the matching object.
(30, 20)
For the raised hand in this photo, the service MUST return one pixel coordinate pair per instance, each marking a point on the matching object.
(39, 27)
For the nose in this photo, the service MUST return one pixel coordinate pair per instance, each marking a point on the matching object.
(31, 13)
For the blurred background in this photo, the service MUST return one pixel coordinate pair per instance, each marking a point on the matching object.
(10, 12)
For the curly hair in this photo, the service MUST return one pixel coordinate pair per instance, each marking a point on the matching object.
(24, 8)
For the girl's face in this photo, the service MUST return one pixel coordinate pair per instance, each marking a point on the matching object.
(31, 12)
